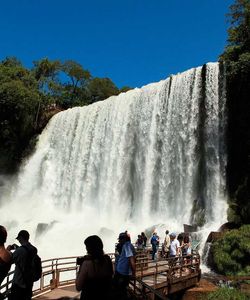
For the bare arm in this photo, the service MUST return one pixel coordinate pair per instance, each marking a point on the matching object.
(81, 277)
(132, 264)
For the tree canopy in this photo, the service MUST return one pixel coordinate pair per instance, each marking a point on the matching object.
(29, 97)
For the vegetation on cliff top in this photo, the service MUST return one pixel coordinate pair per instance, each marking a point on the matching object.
(29, 97)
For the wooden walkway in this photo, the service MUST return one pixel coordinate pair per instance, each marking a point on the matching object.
(153, 278)
(166, 276)
(66, 291)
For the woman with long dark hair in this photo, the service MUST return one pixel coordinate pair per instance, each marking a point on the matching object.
(96, 270)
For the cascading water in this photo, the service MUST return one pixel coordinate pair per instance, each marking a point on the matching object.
(149, 156)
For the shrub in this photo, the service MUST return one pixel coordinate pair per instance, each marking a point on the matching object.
(231, 253)
(227, 294)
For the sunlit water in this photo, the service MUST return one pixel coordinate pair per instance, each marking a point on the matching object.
(127, 163)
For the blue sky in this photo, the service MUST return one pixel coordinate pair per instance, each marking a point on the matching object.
(133, 42)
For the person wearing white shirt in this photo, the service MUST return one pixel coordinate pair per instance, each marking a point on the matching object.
(174, 245)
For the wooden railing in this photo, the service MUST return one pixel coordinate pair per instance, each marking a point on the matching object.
(165, 276)
(56, 272)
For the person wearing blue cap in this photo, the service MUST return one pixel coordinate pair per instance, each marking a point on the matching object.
(174, 245)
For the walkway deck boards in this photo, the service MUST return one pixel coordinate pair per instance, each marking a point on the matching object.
(66, 291)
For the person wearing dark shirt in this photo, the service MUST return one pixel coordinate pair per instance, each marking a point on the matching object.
(21, 288)
(144, 239)
(95, 275)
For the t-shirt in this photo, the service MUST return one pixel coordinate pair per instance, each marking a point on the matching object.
(174, 244)
(94, 278)
(155, 240)
(123, 266)
(20, 257)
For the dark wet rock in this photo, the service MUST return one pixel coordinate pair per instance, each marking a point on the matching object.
(228, 226)
(106, 231)
(43, 228)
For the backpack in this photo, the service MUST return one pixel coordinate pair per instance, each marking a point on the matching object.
(35, 266)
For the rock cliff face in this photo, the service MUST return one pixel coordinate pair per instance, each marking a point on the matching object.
(238, 141)
(202, 289)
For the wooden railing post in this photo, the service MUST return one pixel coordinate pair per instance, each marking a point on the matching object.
(53, 281)
(57, 281)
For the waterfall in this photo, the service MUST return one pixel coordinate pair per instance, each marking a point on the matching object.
(154, 155)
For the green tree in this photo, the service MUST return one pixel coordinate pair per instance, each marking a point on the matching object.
(239, 31)
(46, 69)
(125, 89)
(101, 88)
(74, 90)
(19, 100)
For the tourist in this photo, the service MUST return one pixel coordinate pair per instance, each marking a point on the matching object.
(144, 240)
(180, 238)
(5, 255)
(186, 248)
(95, 275)
(155, 240)
(125, 265)
(139, 243)
(174, 245)
(166, 245)
(22, 284)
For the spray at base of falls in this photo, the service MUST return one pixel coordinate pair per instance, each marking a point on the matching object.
(154, 155)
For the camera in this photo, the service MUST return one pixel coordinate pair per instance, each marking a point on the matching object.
(14, 247)
(79, 260)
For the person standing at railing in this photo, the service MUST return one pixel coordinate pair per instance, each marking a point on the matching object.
(95, 275)
(174, 246)
(155, 241)
(139, 243)
(125, 265)
(144, 240)
(22, 283)
(166, 245)
(5, 255)
(186, 249)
